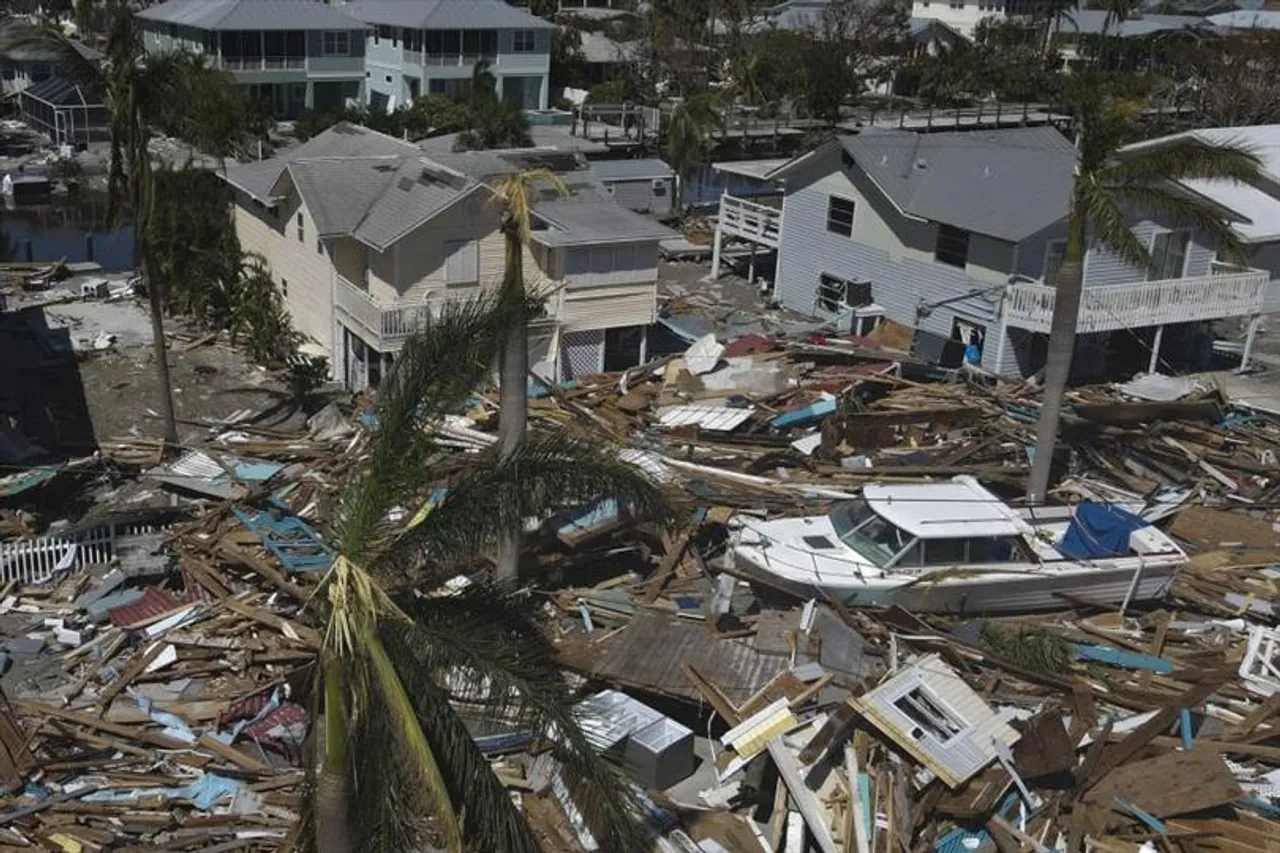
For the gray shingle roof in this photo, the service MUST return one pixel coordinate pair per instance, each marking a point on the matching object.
(446, 14)
(1007, 184)
(1092, 21)
(575, 222)
(358, 182)
(252, 15)
(631, 170)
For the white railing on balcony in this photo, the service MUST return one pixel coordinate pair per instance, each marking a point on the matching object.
(259, 63)
(387, 323)
(750, 221)
(1146, 303)
(449, 60)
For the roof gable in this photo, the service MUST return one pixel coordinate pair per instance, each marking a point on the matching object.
(1007, 184)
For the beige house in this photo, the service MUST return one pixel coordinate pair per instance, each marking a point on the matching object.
(366, 236)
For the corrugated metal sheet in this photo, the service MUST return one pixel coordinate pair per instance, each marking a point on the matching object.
(154, 601)
(649, 652)
(713, 418)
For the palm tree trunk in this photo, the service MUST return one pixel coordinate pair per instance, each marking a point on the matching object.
(513, 376)
(331, 783)
(1062, 340)
(156, 301)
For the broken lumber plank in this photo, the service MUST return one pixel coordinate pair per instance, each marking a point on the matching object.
(131, 733)
(132, 671)
(300, 633)
(230, 753)
(1118, 753)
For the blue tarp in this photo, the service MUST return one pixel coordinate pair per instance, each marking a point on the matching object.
(1099, 530)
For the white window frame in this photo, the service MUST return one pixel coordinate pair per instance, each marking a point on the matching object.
(341, 43)
(524, 41)
(456, 251)
(1186, 252)
(853, 215)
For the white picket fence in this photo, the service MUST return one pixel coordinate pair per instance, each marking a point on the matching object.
(34, 561)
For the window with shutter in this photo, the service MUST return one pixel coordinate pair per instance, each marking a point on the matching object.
(462, 262)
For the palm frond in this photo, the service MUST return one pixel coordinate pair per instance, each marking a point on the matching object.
(549, 471)
(489, 819)
(1109, 224)
(505, 671)
(1184, 210)
(436, 371)
(518, 193)
(1184, 159)
(418, 756)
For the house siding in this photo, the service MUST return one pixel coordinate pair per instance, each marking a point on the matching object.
(608, 307)
(887, 249)
(310, 291)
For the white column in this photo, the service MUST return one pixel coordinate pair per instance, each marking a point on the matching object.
(715, 254)
(1155, 349)
(751, 265)
(1248, 341)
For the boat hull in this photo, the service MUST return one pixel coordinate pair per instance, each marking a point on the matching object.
(998, 592)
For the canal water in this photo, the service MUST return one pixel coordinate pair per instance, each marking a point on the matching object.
(71, 227)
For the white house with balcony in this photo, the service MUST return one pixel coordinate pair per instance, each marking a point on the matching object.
(961, 235)
(963, 16)
(294, 54)
(366, 236)
(431, 47)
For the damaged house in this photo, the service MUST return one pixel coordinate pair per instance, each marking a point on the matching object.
(366, 235)
(961, 235)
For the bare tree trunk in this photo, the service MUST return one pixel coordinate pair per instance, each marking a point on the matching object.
(513, 376)
(1062, 340)
(156, 300)
(331, 783)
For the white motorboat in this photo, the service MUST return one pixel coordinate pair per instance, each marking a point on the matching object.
(954, 547)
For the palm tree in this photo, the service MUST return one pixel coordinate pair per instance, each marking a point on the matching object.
(400, 768)
(141, 94)
(517, 194)
(1110, 180)
(688, 134)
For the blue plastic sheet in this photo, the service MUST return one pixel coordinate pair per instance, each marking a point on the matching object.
(1099, 530)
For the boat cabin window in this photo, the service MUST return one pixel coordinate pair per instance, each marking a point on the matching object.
(849, 515)
(878, 540)
(961, 552)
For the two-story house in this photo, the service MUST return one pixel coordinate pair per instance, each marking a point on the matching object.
(366, 235)
(963, 16)
(295, 54)
(431, 47)
(22, 67)
(961, 235)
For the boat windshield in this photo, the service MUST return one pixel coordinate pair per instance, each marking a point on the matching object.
(871, 536)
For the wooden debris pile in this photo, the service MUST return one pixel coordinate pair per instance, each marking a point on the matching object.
(159, 703)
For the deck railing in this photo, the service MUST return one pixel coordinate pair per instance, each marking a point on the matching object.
(750, 221)
(1145, 303)
(388, 323)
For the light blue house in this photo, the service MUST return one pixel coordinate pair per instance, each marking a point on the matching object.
(295, 54)
(961, 236)
(431, 47)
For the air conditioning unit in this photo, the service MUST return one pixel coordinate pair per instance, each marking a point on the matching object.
(95, 288)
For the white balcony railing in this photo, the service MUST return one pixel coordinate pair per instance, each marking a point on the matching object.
(1145, 303)
(449, 60)
(260, 63)
(750, 221)
(388, 324)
